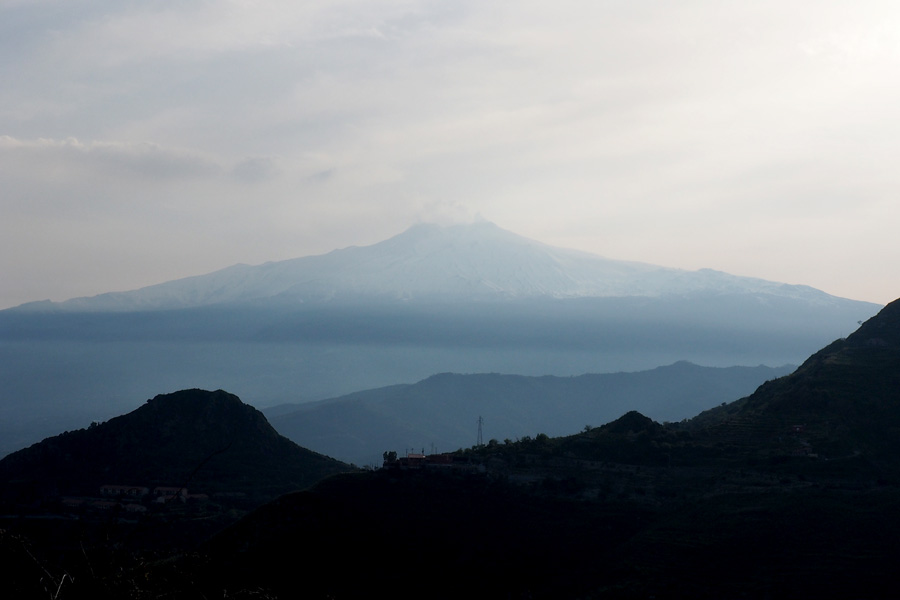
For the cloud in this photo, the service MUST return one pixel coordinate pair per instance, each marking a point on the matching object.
(254, 170)
(635, 130)
(69, 163)
(109, 34)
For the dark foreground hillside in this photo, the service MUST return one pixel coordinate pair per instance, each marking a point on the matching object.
(842, 403)
(192, 438)
(758, 500)
(628, 530)
(80, 511)
(790, 493)
(628, 510)
(439, 535)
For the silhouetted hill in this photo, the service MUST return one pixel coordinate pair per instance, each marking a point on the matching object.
(631, 422)
(742, 502)
(442, 411)
(844, 401)
(206, 441)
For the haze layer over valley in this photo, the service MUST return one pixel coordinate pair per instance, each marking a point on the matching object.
(465, 299)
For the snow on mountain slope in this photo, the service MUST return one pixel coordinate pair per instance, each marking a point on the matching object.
(454, 263)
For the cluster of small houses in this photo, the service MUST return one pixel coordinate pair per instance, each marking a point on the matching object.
(414, 460)
(133, 499)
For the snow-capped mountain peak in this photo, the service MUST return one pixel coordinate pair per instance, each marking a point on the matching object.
(475, 262)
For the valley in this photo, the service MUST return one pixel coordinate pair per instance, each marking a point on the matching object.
(461, 299)
(601, 474)
(788, 492)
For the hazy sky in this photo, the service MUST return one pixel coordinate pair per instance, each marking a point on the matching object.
(145, 141)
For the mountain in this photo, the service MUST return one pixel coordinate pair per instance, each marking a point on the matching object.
(788, 493)
(844, 401)
(791, 492)
(442, 411)
(208, 441)
(462, 299)
(428, 263)
(79, 511)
